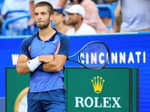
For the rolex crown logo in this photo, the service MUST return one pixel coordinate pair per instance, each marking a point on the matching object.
(98, 83)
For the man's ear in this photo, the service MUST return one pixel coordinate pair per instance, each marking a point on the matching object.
(52, 17)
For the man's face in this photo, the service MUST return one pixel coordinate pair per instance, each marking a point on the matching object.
(75, 1)
(58, 18)
(42, 17)
(73, 19)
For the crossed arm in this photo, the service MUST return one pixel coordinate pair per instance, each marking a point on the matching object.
(51, 63)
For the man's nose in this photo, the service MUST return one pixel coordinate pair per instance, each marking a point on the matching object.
(39, 16)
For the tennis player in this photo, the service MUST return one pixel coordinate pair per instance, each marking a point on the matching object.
(43, 56)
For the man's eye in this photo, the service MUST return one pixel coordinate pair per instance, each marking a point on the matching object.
(43, 13)
(36, 14)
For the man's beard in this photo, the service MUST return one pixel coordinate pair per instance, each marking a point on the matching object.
(42, 27)
(70, 22)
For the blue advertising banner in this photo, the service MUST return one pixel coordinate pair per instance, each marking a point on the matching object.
(126, 50)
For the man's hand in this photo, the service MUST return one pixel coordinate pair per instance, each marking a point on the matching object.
(46, 58)
(56, 64)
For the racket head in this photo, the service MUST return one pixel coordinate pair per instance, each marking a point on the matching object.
(94, 55)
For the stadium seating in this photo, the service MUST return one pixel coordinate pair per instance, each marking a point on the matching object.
(1, 4)
(14, 19)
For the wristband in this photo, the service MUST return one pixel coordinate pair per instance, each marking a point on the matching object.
(33, 64)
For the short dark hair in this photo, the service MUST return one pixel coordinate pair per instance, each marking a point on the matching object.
(79, 1)
(60, 11)
(50, 7)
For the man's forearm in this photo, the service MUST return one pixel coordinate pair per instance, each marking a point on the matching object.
(62, 3)
(31, 4)
(55, 65)
(46, 58)
(51, 67)
(27, 66)
(22, 68)
(49, 63)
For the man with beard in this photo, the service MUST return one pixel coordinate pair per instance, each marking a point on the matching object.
(76, 14)
(44, 56)
(59, 21)
(57, 4)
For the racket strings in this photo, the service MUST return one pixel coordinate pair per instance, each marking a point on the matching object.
(95, 56)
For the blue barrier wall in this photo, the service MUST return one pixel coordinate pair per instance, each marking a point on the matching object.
(127, 50)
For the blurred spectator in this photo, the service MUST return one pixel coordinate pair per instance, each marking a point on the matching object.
(57, 4)
(135, 15)
(1, 23)
(15, 5)
(92, 18)
(59, 21)
(118, 18)
(116, 9)
(76, 15)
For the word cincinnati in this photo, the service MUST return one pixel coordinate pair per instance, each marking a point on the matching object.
(97, 102)
(114, 58)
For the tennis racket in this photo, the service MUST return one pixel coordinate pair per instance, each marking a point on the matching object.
(93, 55)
